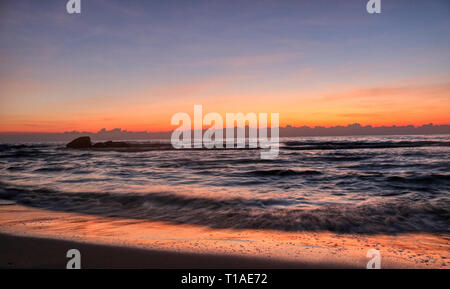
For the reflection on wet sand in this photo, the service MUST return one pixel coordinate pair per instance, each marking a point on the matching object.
(306, 249)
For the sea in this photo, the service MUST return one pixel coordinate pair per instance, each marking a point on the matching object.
(360, 184)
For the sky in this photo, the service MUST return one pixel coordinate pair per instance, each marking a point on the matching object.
(133, 64)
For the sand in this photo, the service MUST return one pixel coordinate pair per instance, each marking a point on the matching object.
(36, 238)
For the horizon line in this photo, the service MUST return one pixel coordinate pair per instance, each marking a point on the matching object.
(288, 126)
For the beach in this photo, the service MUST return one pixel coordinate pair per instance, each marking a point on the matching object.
(323, 203)
(36, 238)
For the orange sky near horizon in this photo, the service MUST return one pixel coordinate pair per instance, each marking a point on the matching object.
(376, 106)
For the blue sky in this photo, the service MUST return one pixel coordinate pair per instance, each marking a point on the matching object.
(120, 63)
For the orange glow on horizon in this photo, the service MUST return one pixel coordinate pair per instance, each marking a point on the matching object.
(152, 110)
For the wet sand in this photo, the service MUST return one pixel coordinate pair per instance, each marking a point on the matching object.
(37, 253)
(36, 238)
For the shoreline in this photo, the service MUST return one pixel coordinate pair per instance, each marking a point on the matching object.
(37, 238)
(18, 252)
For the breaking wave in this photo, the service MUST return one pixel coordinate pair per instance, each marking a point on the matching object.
(388, 217)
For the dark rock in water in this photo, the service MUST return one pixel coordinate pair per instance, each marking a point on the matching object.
(111, 144)
(84, 142)
(80, 143)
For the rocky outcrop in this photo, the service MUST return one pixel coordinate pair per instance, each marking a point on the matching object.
(80, 143)
(84, 142)
(111, 144)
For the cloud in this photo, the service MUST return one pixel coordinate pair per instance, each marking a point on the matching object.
(440, 90)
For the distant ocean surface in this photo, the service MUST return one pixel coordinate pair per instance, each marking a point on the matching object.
(377, 184)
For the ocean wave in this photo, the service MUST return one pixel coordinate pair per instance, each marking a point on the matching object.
(294, 145)
(382, 217)
(336, 145)
(283, 173)
(53, 169)
(421, 179)
(22, 154)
